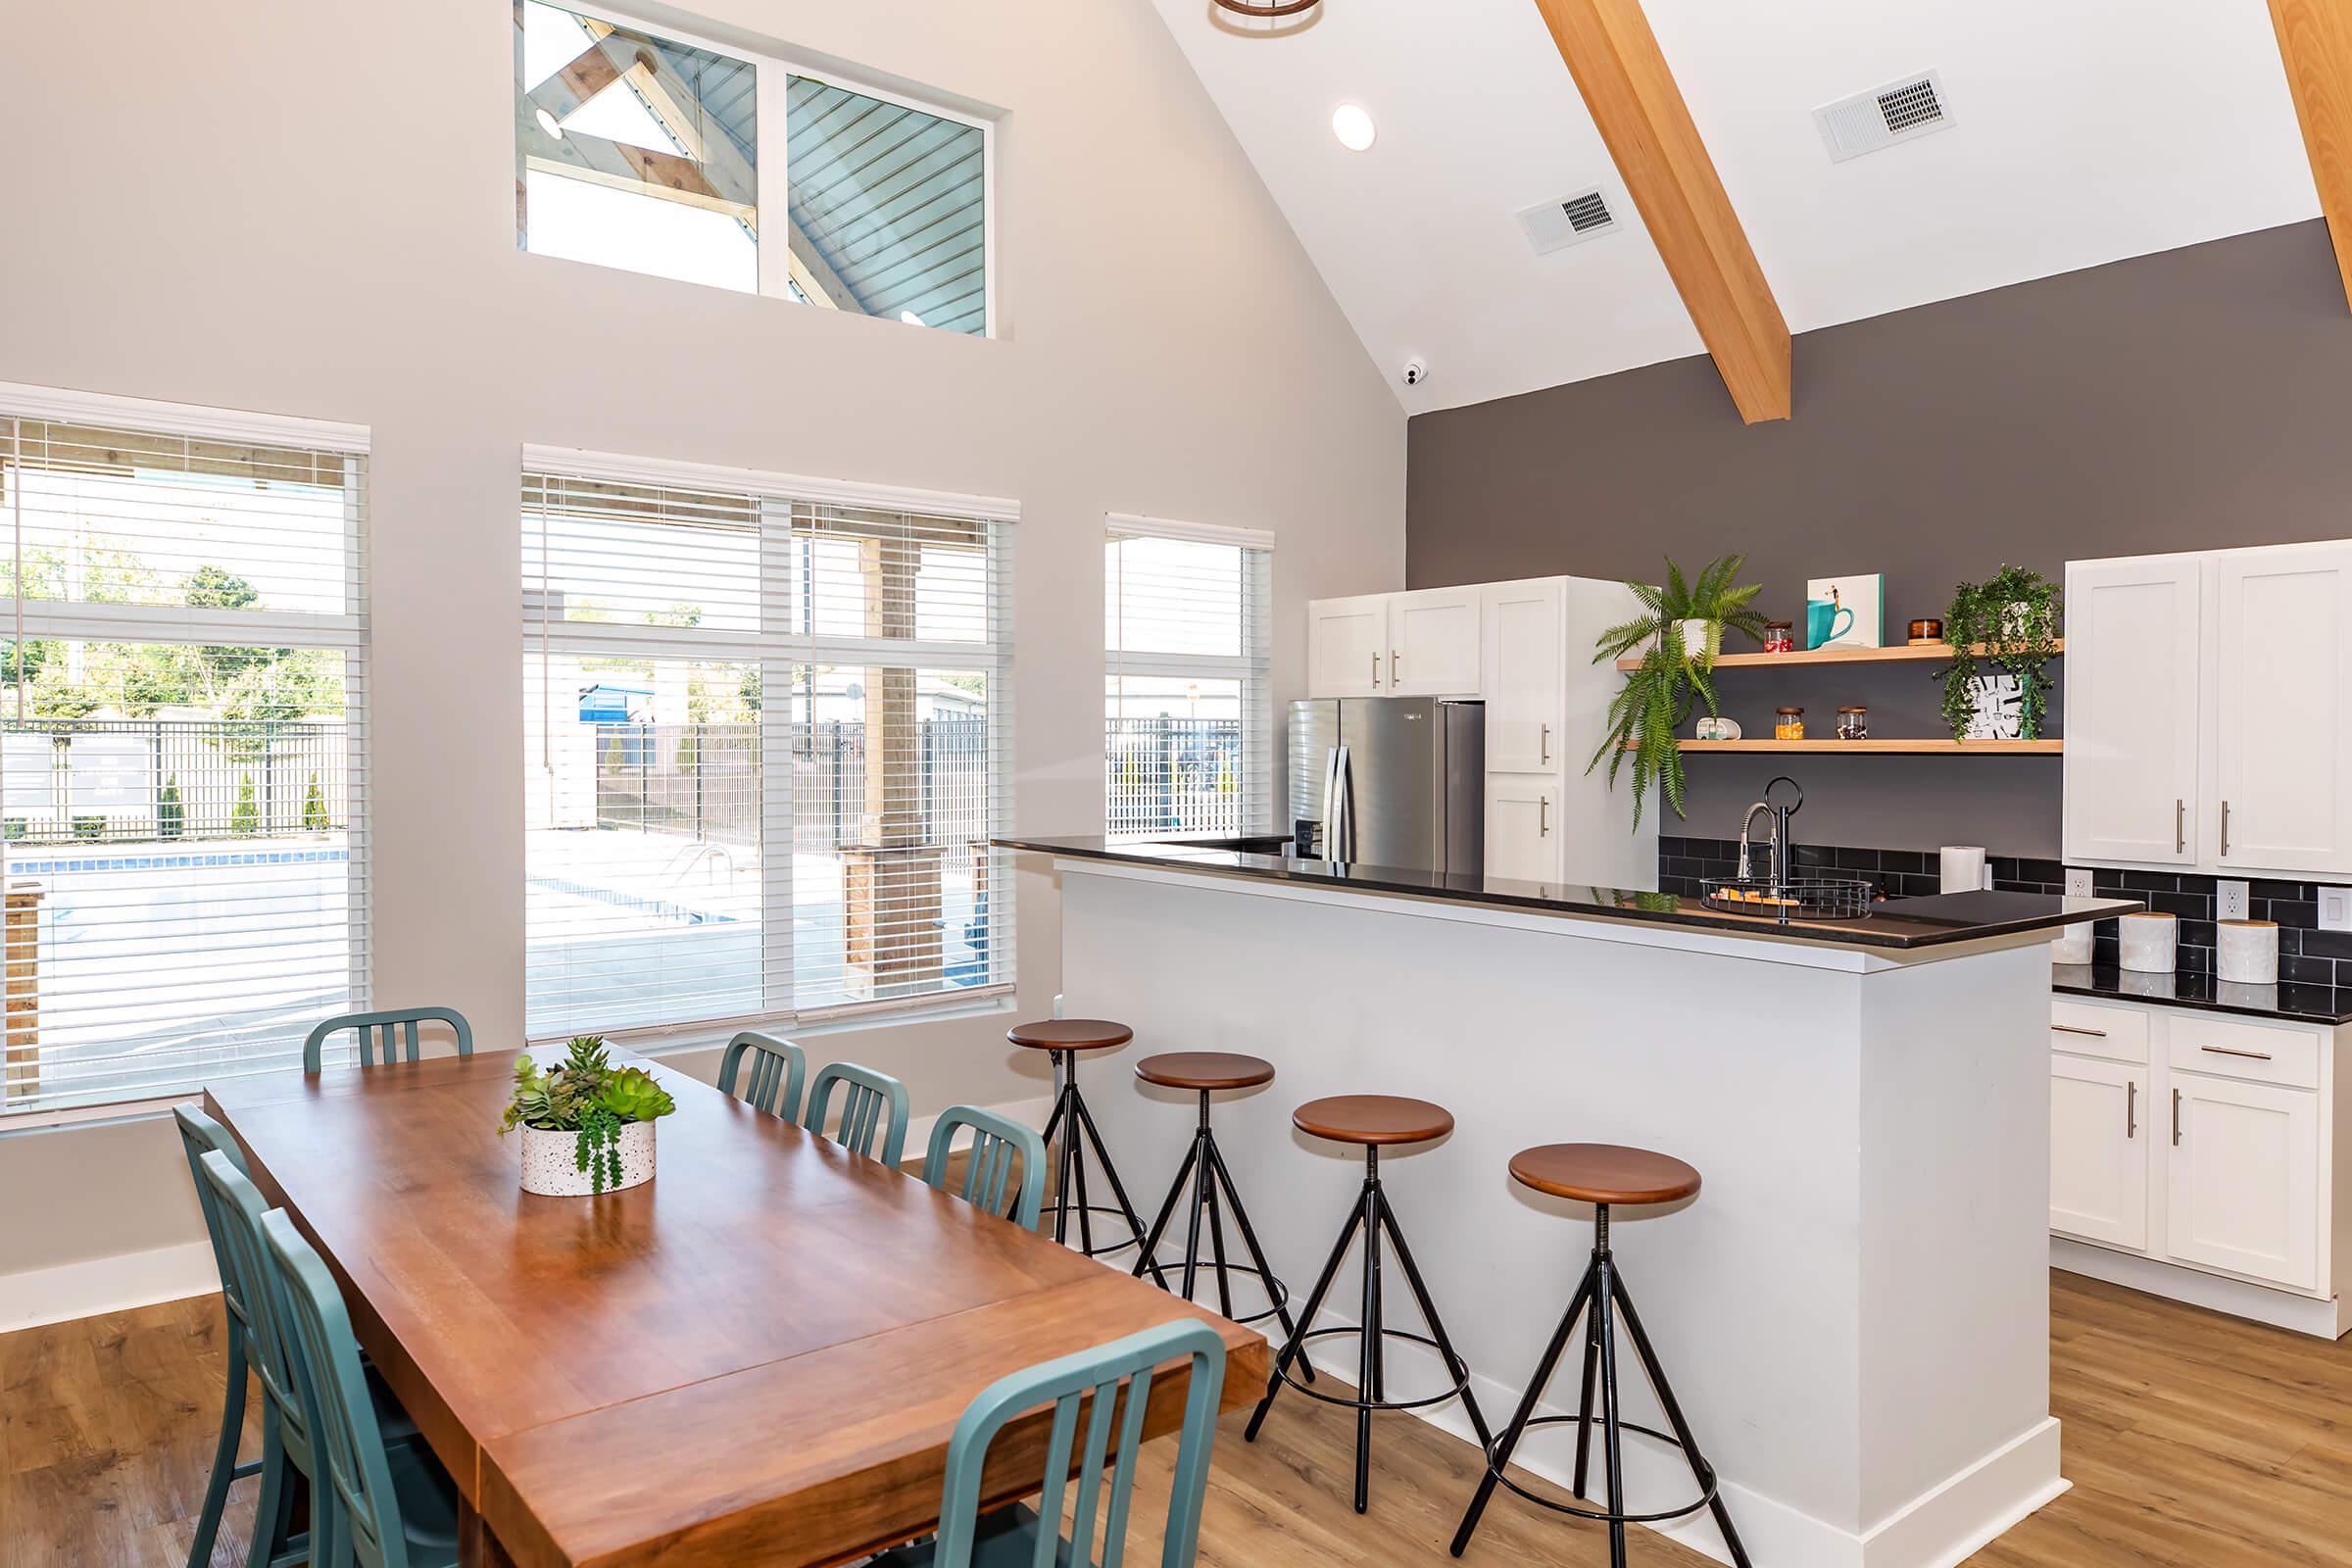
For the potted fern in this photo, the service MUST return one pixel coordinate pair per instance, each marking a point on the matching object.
(1679, 634)
(587, 1126)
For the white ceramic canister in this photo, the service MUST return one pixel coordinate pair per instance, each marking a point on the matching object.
(2072, 944)
(2247, 952)
(2148, 942)
(550, 1162)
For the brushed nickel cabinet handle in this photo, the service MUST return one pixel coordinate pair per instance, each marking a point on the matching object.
(2225, 827)
(2180, 827)
(2225, 1050)
(1375, 666)
(1391, 667)
(2176, 1118)
(2131, 1109)
(2078, 1029)
(1544, 754)
(1543, 817)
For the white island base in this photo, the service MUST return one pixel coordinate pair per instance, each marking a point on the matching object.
(1854, 1309)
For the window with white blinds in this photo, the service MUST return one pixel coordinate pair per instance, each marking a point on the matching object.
(1187, 736)
(181, 743)
(769, 730)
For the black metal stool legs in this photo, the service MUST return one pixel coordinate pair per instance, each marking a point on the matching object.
(1371, 1216)
(1213, 1196)
(1601, 1301)
(1076, 1124)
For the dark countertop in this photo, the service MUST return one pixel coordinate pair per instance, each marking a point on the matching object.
(1899, 923)
(2295, 1004)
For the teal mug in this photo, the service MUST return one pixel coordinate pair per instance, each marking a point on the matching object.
(1826, 620)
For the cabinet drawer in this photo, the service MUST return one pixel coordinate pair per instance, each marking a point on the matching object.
(2233, 1048)
(2079, 1028)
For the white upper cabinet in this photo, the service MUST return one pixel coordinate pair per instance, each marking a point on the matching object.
(1523, 668)
(2131, 707)
(2283, 680)
(1523, 828)
(1347, 646)
(2208, 711)
(1433, 642)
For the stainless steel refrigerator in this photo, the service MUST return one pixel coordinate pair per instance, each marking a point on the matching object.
(1389, 781)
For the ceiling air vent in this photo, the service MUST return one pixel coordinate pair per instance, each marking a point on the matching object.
(1570, 220)
(1901, 110)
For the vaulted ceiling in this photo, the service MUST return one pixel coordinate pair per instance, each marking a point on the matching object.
(2081, 132)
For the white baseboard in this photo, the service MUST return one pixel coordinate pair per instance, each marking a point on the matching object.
(97, 1284)
(2281, 1310)
(1938, 1529)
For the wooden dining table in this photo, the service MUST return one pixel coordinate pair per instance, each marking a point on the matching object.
(754, 1359)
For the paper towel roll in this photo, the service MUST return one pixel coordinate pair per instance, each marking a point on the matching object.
(1963, 867)
(2147, 941)
(2248, 952)
(2072, 945)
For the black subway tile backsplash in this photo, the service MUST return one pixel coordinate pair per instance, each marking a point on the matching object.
(2305, 953)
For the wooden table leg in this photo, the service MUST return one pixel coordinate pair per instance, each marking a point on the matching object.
(477, 1548)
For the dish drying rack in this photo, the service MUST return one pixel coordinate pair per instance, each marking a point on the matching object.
(1805, 898)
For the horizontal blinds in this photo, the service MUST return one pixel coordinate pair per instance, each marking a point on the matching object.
(768, 741)
(182, 775)
(1188, 732)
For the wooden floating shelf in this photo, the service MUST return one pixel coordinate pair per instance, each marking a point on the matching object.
(1919, 748)
(1904, 654)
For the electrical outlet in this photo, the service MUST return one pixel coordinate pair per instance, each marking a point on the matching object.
(2078, 883)
(2230, 901)
(2335, 908)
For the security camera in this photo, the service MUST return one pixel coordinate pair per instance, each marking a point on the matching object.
(1416, 371)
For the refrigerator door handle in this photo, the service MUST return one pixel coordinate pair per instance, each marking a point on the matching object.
(1338, 807)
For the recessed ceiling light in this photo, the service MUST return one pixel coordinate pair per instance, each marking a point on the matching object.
(910, 319)
(547, 123)
(1353, 125)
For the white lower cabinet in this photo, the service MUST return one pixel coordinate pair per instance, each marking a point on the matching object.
(2204, 1146)
(2099, 1151)
(2244, 1179)
(1523, 829)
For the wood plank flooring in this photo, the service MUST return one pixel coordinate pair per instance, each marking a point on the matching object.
(2194, 1441)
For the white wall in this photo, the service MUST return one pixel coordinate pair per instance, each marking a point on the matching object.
(308, 209)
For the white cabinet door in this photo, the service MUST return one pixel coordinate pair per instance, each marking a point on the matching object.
(1433, 642)
(1523, 671)
(2283, 739)
(1347, 646)
(2132, 734)
(2244, 1188)
(2099, 1151)
(1523, 828)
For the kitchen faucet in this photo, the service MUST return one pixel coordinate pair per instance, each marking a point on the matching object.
(1784, 846)
(1747, 823)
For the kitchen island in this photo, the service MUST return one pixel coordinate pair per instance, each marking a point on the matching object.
(1854, 1308)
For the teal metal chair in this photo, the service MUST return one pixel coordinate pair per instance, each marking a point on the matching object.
(997, 1143)
(199, 1136)
(377, 1027)
(871, 1095)
(377, 1507)
(1019, 1536)
(779, 1068)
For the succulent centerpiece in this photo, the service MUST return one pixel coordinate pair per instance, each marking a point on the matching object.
(587, 1125)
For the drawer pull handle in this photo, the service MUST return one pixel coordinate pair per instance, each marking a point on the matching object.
(2078, 1029)
(2225, 1050)
(2131, 1109)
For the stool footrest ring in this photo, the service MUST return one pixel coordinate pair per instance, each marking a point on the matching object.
(1278, 1294)
(1600, 1515)
(1105, 1248)
(1455, 1368)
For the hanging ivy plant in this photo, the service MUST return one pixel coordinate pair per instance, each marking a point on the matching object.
(2014, 616)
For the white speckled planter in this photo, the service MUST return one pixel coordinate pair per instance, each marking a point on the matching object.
(551, 1168)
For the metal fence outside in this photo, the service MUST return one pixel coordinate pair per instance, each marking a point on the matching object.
(132, 780)
(1174, 775)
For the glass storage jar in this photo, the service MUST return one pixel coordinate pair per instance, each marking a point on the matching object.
(1780, 637)
(1853, 723)
(1788, 724)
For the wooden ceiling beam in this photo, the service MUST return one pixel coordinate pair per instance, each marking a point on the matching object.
(2315, 39)
(1615, 60)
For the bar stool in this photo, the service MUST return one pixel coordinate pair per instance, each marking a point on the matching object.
(1061, 1038)
(1205, 1072)
(1603, 1175)
(1374, 1122)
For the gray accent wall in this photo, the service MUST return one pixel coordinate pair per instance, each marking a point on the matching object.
(2190, 400)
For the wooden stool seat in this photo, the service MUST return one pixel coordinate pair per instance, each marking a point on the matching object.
(1373, 1119)
(1603, 1173)
(1069, 1034)
(1204, 1071)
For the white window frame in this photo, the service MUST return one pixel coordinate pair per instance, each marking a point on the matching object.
(773, 174)
(1252, 668)
(995, 657)
(347, 633)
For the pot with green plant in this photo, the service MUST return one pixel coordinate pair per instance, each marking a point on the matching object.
(587, 1125)
(1677, 636)
(2004, 633)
